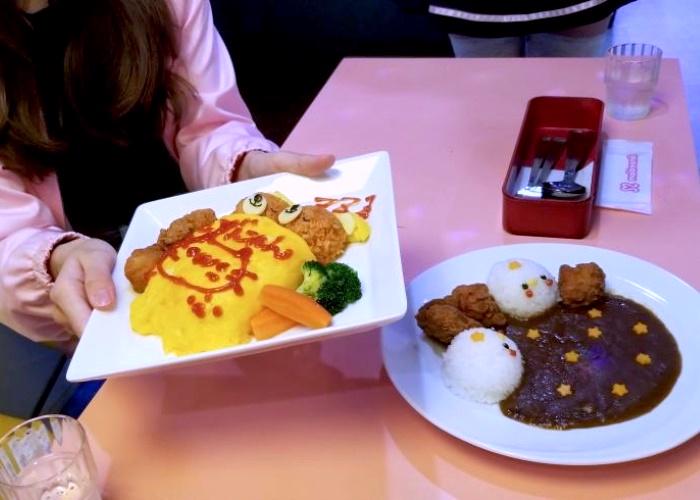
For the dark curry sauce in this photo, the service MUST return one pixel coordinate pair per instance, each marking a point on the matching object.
(591, 366)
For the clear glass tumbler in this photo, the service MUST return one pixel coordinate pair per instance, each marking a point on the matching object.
(47, 458)
(631, 74)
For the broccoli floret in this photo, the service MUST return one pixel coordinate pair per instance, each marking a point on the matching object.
(333, 286)
(341, 287)
(314, 277)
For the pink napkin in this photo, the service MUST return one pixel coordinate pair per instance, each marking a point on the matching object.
(625, 176)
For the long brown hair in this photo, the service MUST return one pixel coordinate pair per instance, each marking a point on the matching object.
(117, 62)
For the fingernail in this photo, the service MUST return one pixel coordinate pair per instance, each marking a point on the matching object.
(102, 298)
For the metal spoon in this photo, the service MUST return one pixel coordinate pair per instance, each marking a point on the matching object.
(567, 187)
(579, 143)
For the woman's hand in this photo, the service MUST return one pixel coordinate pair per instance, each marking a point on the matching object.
(82, 271)
(258, 163)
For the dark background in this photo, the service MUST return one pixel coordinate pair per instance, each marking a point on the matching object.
(285, 50)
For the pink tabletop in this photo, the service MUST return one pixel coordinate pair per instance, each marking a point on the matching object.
(323, 420)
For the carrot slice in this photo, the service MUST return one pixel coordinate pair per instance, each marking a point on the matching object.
(267, 323)
(295, 306)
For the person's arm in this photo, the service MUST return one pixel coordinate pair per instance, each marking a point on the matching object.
(217, 127)
(50, 278)
(28, 234)
(217, 141)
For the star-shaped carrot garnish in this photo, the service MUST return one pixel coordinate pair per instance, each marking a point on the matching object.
(619, 389)
(571, 357)
(477, 336)
(640, 328)
(564, 390)
(594, 313)
(594, 332)
(643, 359)
(533, 333)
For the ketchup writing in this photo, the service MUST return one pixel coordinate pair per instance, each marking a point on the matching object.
(342, 205)
(239, 231)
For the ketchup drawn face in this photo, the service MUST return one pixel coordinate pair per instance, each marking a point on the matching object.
(223, 276)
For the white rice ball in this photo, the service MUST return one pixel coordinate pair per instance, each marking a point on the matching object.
(483, 365)
(522, 288)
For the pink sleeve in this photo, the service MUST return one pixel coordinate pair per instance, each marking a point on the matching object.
(216, 127)
(28, 234)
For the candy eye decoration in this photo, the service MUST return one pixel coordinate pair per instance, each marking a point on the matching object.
(547, 281)
(255, 205)
(512, 352)
(528, 293)
(289, 214)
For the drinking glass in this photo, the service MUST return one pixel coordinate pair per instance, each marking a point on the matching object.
(47, 458)
(631, 73)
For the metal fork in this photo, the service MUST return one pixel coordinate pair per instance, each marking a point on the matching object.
(547, 154)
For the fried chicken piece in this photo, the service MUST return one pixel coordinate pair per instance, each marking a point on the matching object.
(181, 228)
(581, 285)
(442, 321)
(476, 302)
(140, 264)
(275, 205)
(451, 300)
(322, 231)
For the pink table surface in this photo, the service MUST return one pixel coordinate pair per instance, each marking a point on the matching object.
(323, 420)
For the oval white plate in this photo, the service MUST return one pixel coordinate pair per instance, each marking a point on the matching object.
(414, 364)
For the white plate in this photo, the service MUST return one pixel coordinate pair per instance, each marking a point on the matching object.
(109, 347)
(414, 365)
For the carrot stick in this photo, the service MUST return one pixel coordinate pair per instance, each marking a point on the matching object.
(267, 323)
(295, 306)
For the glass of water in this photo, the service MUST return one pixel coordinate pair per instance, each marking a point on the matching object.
(47, 458)
(631, 73)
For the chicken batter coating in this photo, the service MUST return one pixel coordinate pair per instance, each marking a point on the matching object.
(141, 262)
(442, 321)
(476, 302)
(181, 228)
(322, 231)
(581, 285)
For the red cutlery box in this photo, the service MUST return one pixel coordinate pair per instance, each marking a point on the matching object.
(554, 117)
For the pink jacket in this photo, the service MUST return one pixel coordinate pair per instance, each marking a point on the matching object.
(216, 129)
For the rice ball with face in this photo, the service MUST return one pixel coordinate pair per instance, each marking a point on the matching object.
(522, 288)
(483, 365)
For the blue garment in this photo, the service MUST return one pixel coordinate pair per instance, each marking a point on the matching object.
(534, 45)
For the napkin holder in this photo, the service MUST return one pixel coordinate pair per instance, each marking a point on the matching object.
(556, 117)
